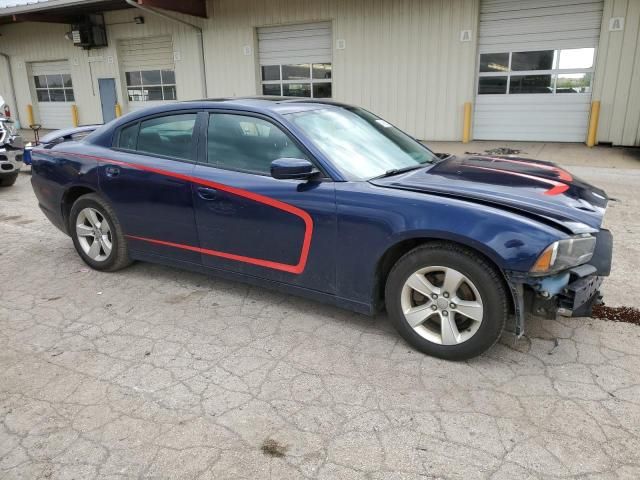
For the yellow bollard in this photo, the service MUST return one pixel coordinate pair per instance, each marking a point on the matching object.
(466, 130)
(74, 115)
(592, 136)
(30, 115)
(118, 110)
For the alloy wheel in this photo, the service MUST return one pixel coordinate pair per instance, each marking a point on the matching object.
(442, 305)
(94, 234)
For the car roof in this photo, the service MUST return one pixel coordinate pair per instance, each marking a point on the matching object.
(282, 105)
(264, 105)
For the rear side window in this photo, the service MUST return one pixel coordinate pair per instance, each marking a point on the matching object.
(241, 142)
(128, 137)
(168, 136)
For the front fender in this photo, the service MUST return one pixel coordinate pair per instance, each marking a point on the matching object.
(372, 220)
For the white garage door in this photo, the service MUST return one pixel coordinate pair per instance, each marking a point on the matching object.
(149, 70)
(54, 93)
(536, 68)
(295, 60)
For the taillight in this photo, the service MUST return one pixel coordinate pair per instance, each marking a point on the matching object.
(7, 111)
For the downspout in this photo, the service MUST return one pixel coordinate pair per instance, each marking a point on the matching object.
(198, 30)
(11, 86)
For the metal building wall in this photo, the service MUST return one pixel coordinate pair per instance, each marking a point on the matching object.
(35, 42)
(403, 58)
(617, 81)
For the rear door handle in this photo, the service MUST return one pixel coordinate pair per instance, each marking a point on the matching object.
(112, 171)
(207, 193)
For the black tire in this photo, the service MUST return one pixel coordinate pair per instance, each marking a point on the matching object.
(119, 256)
(487, 280)
(8, 180)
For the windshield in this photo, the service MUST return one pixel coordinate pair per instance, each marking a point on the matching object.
(361, 145)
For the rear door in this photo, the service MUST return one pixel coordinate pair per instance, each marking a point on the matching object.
(251, 223)
(148, 181)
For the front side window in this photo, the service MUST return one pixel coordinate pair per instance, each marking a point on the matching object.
(312, 80)
(360, 145)
(151, 85)
(241, 142)
(168, 136)
(538, 71)
(54, 88)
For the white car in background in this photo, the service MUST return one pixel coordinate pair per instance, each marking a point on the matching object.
(11, 148)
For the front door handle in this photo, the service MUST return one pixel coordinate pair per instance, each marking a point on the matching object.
(207, 193)
(112, 171)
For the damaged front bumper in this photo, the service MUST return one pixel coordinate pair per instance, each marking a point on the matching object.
(571, 293)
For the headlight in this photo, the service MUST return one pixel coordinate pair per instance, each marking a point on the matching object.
(564, 254)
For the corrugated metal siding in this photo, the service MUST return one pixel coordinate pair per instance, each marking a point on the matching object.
(44, 68)
(403, 58)
(514, 25)
(52, 114)
(150, 53)
(535, 25)
(617, 82)
(562, 118)
(36, 42)
(300, 43)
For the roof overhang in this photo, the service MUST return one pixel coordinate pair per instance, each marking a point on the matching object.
(67, 11)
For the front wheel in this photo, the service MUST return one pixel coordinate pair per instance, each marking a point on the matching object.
(97, 234)
(447, 301)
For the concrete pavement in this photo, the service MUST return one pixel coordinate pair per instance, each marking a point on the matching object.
(154, 372)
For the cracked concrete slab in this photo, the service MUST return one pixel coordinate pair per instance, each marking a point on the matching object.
(158, 373)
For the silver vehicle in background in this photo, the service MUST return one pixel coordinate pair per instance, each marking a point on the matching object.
(11, 148)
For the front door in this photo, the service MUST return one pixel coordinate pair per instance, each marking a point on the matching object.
(147, 180)
(249, 222)
(108, 98)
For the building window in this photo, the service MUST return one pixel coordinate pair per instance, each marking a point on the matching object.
(300, 80)
(539, 71)
(151, 85)
(54, 88)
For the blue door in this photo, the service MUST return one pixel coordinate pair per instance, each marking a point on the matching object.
(147, 180)
(251, 223)
(108, 98)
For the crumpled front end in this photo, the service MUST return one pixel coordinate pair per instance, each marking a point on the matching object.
(571, 293)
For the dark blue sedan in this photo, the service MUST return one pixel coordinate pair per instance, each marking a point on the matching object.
(330, 202)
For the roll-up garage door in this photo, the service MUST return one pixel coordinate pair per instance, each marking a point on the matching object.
(149, 70)
(295, 60)
(54, 93)
(536, 67)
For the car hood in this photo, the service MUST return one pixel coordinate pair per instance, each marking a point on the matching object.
(534, 187)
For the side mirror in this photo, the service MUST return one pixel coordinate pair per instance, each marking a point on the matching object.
(292, 169)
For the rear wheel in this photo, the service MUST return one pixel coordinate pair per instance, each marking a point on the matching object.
(447, 301)
(97, 234)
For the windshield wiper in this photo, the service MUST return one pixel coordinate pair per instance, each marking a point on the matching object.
(397, 171)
